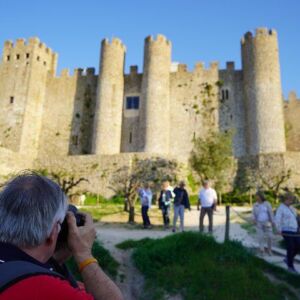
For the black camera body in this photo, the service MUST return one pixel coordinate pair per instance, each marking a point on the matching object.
(63, 234)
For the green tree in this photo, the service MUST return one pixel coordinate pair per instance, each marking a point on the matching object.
(126, 180)
(211, 157)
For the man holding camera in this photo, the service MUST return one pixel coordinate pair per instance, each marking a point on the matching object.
(32, 211)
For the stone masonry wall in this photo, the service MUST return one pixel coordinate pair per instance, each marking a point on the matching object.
(292, 122)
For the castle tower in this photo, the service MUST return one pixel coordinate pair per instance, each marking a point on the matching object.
(155, 106)
(24, 70)
(109, 102)
(262, 91)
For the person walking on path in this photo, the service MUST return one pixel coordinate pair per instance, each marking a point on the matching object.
(181, 201)
(263, 218)
(287, 225)
(164, 201)
(208, 200)
(145, 195)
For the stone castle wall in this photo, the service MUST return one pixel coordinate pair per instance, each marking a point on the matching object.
(70, 108)
(81, 120)
(292, 122)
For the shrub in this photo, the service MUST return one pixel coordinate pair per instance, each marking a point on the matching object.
(193, 199)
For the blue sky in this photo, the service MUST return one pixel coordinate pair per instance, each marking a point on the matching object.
(199, 30)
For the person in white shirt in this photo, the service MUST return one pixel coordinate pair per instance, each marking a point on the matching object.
(208, 200)
(263, 218)
(145, 195)
(287, 225)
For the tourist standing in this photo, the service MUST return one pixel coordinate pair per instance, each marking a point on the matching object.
(181, 201)
(145, 195)
(263, 218)
(287, 225)
(208, 199)
(165, 198)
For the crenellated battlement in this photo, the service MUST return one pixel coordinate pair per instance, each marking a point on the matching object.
(133, 70)
(230, 66)
(25, 52)
(292, 98)
(159, 39)
(182, 68)
(77, 72)
(22, 43)
(259, 32)
(263, 31)
(113, 42)
(199, 66)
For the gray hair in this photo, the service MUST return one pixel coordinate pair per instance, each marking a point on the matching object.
(30, 204)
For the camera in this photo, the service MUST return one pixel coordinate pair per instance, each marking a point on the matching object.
(63, 234)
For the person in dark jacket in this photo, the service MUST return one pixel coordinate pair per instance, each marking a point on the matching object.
(164, 201)
(181, 202)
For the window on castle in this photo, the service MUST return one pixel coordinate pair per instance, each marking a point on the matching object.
(11, 100)
(27, 55)
(45, 63)
(38, 58)
(132, 102)
(130, 137)
(18, 56)
(8, 58)
(225, 94)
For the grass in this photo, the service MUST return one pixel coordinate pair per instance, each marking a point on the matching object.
(128, 244)
(100, 211)
(100, 207)
(104, 258)
(197, 267)
(96, 200)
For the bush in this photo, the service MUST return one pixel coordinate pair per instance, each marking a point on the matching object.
(193, 199)
(198, 267)
(193, 184)
(104, 258)
(236, 197)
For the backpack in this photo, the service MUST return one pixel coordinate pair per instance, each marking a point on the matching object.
(15, 271)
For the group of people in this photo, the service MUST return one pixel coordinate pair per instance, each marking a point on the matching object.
(178, 198)
(284, 223)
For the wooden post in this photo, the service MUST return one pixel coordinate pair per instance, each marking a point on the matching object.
(227, 223)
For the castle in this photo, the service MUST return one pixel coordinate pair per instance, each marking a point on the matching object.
(102, 118)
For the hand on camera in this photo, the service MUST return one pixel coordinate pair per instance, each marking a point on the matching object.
(81, 239)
